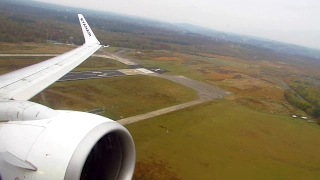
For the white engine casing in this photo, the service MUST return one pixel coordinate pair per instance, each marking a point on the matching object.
(58, 148)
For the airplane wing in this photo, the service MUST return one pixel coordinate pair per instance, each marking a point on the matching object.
(25, 83)
(37, 142)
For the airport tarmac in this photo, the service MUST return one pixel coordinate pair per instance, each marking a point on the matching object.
(71, 76)
(115, 57)
(157, 70)
(206, 92)
(90, 75)
(96, 111)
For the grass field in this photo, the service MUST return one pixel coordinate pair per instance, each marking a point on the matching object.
(248, 135)
(98, 63)
(220, 140)
(241, 77)
(8, 64)
(120, 96)
(34, 48)
(111, 49)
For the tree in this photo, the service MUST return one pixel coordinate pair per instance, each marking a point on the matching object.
(316, 112)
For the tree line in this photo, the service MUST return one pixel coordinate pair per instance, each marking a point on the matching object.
(39, 24)
(293, 99)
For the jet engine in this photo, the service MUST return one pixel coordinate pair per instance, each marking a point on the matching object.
(69, 145)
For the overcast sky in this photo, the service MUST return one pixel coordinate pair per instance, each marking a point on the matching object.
(293, 21)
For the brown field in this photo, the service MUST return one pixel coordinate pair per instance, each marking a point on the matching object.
(226, 58)
(241, 77)
(258, 95)
(269, 80)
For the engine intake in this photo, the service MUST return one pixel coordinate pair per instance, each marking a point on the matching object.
(103, 155)
(104, 160)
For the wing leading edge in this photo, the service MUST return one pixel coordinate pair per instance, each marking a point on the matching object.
(25, 83)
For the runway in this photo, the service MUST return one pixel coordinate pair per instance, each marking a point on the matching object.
(81, 75)
(91, 75)
(206, 92)
(96, 111)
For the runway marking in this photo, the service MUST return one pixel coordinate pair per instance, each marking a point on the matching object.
(65, 78)
(146, 71)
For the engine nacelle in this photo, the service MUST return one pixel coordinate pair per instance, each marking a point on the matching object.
(71, 145)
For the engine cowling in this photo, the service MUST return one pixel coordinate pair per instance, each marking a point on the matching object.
(71, 145)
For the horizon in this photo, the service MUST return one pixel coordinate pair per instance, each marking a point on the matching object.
(287, 21)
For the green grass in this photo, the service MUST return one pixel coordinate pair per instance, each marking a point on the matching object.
(34, 48)
(120, 96)
(98, 63)
(111, 49)
(8, 64)
(219, 140)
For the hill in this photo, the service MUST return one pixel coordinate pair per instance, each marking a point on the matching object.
(253, 42)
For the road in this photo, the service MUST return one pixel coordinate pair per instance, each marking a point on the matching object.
(96, 111)
(205, 91)
(285, 86)
(148, 115)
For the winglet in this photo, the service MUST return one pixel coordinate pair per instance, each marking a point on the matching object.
(89, 37)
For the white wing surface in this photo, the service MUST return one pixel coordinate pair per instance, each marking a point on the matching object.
(25, 83)
(36, 142)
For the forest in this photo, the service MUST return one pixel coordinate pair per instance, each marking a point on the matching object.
(30, 21)
(310, 92)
